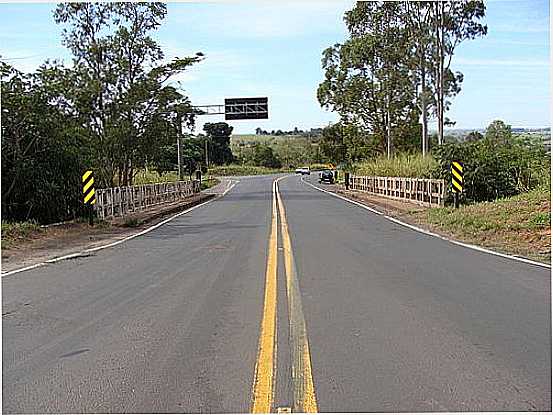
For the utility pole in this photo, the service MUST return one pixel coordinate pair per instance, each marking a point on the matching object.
(423, 107)
(388, 131)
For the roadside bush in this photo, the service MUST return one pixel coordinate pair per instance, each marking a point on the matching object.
(495, 169)
(44, 152)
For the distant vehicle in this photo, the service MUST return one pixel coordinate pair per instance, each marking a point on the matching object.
(303, 170)
(326, 177)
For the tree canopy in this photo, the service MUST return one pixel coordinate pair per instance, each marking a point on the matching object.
(112, 111)
(219, 142)
(393, 71)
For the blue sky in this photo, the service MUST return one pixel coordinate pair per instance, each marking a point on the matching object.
(274, 49)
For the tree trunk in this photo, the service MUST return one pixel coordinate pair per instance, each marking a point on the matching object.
(424, 110)
(131, 173)
(120, 175)
(388, 132)
(440, 71)
(125, 172)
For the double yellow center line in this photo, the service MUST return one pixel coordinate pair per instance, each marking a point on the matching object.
(265, 369)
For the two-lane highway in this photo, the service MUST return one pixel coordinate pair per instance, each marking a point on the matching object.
(278, 295)
(403, 321)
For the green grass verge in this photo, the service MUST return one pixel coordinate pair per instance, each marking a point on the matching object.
(401, 165)
(520, 224)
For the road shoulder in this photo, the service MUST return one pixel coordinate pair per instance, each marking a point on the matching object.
(72, 239)
(416, 217)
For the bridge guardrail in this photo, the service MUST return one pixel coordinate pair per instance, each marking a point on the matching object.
(119, 201)
(426, 192)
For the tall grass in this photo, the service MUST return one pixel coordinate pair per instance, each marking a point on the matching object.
(401, 165)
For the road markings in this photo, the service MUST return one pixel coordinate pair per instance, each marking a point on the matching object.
(416, 228)
(302, 378)
(98, 248)
(266, 361)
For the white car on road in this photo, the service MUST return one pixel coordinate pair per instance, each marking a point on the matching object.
(303, 170)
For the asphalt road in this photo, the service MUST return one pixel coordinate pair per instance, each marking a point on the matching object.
(278, 296)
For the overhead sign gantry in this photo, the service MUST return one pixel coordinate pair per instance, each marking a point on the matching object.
(237, 109)
(233, 109)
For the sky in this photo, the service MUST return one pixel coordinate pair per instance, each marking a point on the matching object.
(274, 49)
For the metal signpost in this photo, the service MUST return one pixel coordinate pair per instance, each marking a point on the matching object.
(456, 180)
(89, 195)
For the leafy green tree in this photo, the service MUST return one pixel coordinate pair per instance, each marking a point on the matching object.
(367, 79)
(333, 144)
(395, 65)
(453, 23)
(498, 133)
(119, 84)
(192, 153)
(346, 143)
(264, 156)
(474, 136)
(44, 149)
(112, 111)
(219, 142)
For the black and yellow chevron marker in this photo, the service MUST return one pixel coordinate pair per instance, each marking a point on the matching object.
(457, 176)
(89, 196)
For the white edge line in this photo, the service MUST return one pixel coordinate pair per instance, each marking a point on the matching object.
(416, 228)
(145, 231)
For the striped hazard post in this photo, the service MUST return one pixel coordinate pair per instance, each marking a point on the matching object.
(89, 195)
(457, 180)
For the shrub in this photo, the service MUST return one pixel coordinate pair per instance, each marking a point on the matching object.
(495, 169)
